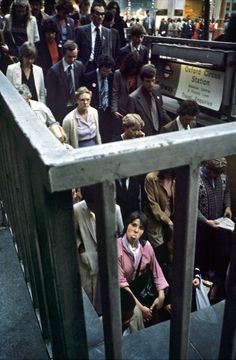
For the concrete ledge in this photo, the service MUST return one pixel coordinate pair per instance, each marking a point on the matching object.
(153, 343)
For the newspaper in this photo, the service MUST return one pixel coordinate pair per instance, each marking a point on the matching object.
(226, 223)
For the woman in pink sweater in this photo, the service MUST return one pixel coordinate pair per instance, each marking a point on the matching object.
(134, 257)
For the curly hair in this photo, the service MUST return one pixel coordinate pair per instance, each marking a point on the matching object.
(131, 120)
(129, 63)
(188, 107)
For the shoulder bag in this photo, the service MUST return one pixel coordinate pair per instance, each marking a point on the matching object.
(143, 286)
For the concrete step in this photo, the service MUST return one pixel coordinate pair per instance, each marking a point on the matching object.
(153, 343)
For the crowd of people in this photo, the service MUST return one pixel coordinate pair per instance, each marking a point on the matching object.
(192, 29)
(89, 85)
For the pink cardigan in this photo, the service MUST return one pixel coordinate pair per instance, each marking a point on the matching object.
(126, 267)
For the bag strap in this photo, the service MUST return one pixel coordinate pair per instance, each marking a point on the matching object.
(138, 268)
(142, 242)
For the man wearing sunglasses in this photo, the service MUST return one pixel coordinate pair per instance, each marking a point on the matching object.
(94, 39)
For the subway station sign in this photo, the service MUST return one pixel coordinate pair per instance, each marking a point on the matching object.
(185, 81)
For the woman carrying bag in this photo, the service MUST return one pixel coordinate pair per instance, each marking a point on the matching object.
(139, 271)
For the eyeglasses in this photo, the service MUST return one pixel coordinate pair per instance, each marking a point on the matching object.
(97, 13)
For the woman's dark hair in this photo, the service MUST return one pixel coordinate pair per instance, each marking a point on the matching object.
(113, 4)
(108, 17)
(133, 216)
(129, 63)
(27, 50)
(188, 107)
(65, 5)
(49, 26)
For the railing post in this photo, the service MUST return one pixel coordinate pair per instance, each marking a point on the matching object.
(57, 244)
(11, 189)
(108, 269)
(186, 200)
(228, 335)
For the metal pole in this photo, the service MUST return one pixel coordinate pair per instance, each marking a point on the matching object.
(220, 28)
(108, 269)
(206, 20)
(184, 250)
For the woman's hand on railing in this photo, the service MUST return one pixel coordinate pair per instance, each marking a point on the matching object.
(58, 132)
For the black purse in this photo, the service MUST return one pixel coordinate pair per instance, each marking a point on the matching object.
(143, 286)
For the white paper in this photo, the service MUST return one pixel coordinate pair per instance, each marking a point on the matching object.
(226, 223)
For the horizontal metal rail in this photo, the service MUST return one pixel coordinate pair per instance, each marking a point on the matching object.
(51, 172)
(149, 40)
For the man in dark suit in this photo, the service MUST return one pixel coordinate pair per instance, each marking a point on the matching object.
(149, 23)
(99, 81)
(186, 119)
(128, 192)
(137, 32)
(146, 101)
(93, 39)
(108, 23)
(62, 80)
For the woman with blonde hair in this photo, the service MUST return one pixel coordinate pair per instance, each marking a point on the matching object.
(129, 191)
(81, 125)
(133, 125)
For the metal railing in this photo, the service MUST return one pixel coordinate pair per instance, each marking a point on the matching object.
(37, 175)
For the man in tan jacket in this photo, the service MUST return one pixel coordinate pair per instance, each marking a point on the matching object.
(159, 188)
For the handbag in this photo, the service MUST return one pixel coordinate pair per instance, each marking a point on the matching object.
(143, 286)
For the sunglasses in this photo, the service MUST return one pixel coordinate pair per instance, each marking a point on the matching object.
(97, 13)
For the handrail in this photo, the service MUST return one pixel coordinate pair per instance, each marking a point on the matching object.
(41, 217)
(149, 40)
